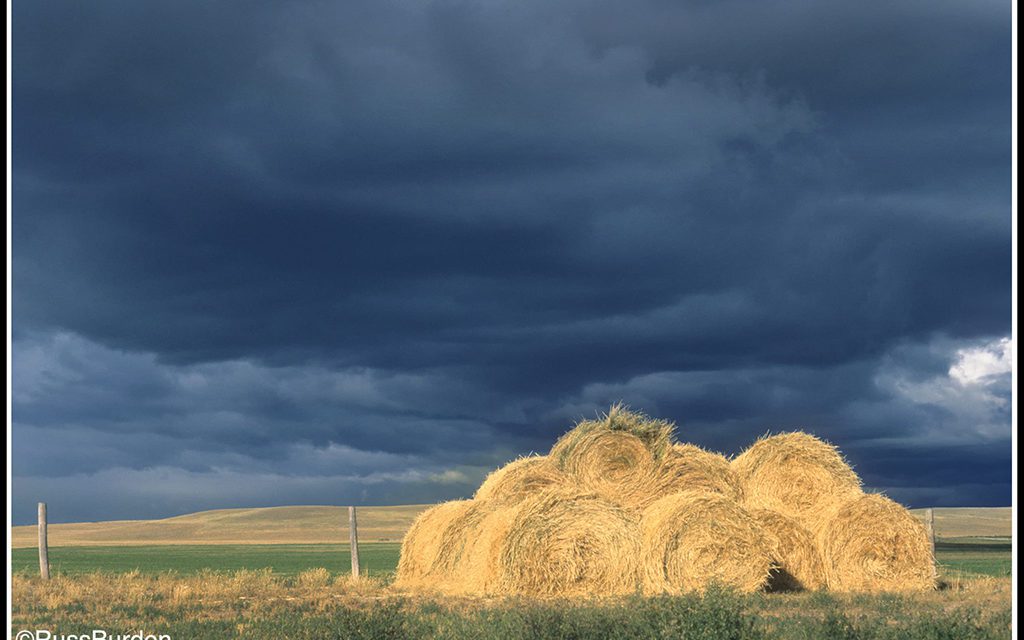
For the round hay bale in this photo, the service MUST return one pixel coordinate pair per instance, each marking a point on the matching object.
(615, 465)
(692, 539)
(455, 539)
(422, 544)
(656, 435)
(519, 479)
(797, 475)
(797, 562)
(478, 569)
(615, 456)
(567, 543)
(871, 543)
(688, 467)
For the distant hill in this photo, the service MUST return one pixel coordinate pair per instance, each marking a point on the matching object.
(964, 522)
(312, 525)
(271, 525)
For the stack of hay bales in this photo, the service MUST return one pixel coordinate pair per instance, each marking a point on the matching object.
(618, 507)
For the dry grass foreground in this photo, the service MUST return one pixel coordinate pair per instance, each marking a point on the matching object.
(257, 604)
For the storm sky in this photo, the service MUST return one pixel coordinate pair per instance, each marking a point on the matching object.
(362, 252)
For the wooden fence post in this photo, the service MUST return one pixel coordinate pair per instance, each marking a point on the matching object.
(930, 526)
(353, 541)
(44, 557)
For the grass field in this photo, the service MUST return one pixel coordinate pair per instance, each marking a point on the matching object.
(378, 558)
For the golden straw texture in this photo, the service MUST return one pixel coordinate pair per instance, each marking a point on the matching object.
(795, 474)
(688, 467)
(871, 543)
(692, 539)
(421, 546)
(565, 543)
(519, 479)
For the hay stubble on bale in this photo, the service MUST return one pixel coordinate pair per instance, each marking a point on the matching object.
(688, 467)
(797, 475)
(455, 539)
(693, 539)
(617, 456)
(422, 544)
(478, 571)
(871, 543)
(519, 479)
(564, 543)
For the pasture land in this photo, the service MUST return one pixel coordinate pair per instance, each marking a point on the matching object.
(376, 558)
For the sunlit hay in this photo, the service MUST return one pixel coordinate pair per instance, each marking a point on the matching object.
(688, 467)
(795, 556)
(795, 474)
(519, 479)
(871, 543)
(568, 543)
(422, 542)
(615, 457)
(456, 537)
(477, 571)
(693, 539)
(655, 434)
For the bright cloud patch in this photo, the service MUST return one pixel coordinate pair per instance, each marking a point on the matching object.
(981, 365)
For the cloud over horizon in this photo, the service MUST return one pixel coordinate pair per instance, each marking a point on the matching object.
(309, 252)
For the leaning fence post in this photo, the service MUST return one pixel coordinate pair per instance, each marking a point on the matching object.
(353, 541)
(44, 557)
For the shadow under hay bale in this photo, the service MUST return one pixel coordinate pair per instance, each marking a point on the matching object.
(519, 479)
(422, 545)
(687, 467)
(797, 475)
(871, 543)
(564, 543)
(693, 539)
(616, 457)
(795, 556)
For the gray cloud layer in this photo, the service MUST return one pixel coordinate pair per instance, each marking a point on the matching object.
(320, 252)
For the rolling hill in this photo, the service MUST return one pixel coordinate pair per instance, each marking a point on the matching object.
(323, 524)
(271, 525)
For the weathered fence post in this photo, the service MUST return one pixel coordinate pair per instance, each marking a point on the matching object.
(353, 541)
(929, 518)
(44, 557)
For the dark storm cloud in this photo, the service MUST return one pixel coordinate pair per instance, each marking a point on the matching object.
(245, 232)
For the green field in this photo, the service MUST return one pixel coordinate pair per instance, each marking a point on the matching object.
(974, 556)
(377, 558)
(968, 556)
